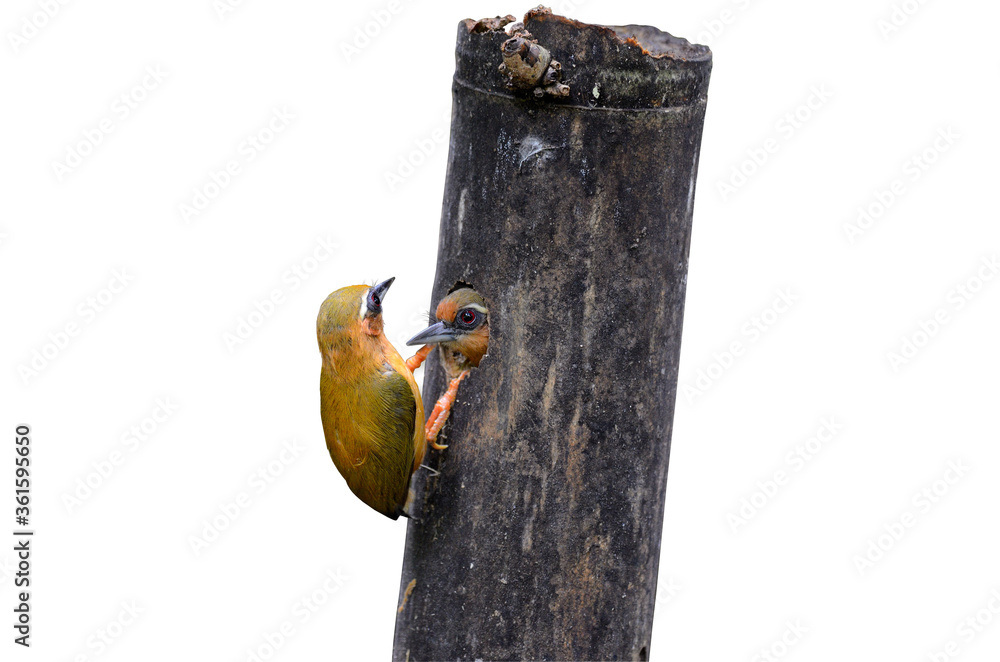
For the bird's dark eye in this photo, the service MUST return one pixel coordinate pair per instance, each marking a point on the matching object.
(467, 317)
(374, 303)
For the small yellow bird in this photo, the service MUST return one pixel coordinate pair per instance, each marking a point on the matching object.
(373, 418)
(463, 333)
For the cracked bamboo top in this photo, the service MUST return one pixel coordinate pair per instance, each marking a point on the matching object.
(625, 67)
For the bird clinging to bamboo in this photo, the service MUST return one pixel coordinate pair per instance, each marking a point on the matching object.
(373, 417)
(462, 331)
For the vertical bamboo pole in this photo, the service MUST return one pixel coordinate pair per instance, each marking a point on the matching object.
(540, 536)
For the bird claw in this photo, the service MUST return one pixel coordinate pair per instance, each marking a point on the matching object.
(442, 408)
(433, 472)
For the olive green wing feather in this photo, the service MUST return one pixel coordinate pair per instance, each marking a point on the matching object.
(392, 455)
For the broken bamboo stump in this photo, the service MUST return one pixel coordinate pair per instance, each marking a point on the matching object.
(569, 210)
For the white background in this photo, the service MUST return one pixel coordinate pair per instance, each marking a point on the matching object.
(728, 588)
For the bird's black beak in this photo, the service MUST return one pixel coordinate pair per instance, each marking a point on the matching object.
(382, 288)
(436, 332)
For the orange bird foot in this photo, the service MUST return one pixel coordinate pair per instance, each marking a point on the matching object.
(417, 359)
(442, 408)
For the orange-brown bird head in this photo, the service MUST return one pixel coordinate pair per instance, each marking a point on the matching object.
(462, 328)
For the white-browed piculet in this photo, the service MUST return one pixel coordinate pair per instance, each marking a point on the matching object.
(463, 334)
(373, 417)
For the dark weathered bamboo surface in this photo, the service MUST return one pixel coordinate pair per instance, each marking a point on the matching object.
(540, 537)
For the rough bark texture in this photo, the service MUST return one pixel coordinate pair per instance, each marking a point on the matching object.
(540, 537)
